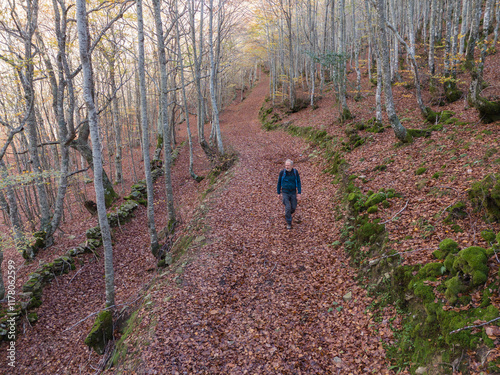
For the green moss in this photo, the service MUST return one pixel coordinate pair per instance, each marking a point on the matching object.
(488, 236)
(121, 348)
(490, 152)
(375, 199)
(431, 270)
(32, 317)
(438, 254)
(423, 291)
(486, 194)
(418, 133)
(101, 333)
(448, 246)
(94, 233)
(420, 171)
(488, 111)
(448, 263)
(472, 261)
(437, 175)
(451, 91)
(454, 286)
(456, 212)
(457, 228)
(372, 209)
(181, 246)
(437, 117)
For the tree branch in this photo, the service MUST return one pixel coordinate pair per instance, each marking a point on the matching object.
(76, 172)
(476, 326)
(397, 213)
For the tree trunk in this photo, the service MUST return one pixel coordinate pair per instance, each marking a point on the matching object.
(81, 145)
(116, 122)
(432, 33)
(26, 76)
(346, 113)
(145, 132)
(164, 113)
(213, 79)
(464, 26)
(197, 66)
(383, 50)
(84, 44)
(10, 206)
(474, 33)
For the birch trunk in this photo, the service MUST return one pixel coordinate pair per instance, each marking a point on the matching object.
(84, 44)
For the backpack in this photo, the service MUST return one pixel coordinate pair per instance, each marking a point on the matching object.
(284, 174)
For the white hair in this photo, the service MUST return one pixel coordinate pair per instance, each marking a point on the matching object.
(289, 161)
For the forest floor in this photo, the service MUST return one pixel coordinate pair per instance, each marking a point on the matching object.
(248, 296)
(258, 298)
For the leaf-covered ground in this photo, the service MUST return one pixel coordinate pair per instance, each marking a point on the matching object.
(248, 296)
(258, 298)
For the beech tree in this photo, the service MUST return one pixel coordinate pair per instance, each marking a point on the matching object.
(164, 111)
(145, 131)
(84, 47)
(383, 51)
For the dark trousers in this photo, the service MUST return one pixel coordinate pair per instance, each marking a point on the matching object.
(290, 202)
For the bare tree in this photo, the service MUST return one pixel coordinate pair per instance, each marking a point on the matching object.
(84, 47)
(164, 111)
(383, 51)
(145, 131)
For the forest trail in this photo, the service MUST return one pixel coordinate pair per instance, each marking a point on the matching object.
(260, 299)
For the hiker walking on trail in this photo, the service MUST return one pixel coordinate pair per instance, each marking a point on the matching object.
(289, 189)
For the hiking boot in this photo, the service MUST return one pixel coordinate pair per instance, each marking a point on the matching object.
(289, 226)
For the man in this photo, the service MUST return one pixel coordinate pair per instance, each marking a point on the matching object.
(289, 190)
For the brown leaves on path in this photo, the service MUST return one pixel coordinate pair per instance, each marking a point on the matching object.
(259, 298)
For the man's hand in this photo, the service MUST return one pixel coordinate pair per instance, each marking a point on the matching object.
(299, 196)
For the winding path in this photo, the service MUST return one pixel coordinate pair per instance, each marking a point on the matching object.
(259, 299)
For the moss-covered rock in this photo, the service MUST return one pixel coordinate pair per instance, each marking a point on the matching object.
(375, 199)
(368, 232)
(420, 171)
(422, 290)
(101, 333)
(488, 235)
(486, 194)
(437, 117)
(454, 286)
(38, 243)
(489, 111)
(451, 91)
(372, 209)
(93, 244)
(472, 261)
(418, 133)
(431, 270)
(94, 233)
(449, 246)
(456, 212)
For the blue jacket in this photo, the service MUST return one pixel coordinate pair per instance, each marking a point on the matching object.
(289, 182)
